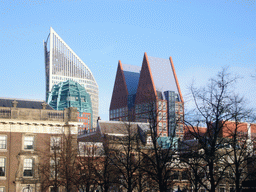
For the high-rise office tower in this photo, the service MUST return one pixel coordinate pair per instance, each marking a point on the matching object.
(140, 90)
(62, 63)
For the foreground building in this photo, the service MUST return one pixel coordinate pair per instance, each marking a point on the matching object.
(142, 93)
(62, 63)
(27, 128)
(124, 141)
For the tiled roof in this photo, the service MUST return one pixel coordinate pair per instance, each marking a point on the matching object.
(91, 137)
(23, 103)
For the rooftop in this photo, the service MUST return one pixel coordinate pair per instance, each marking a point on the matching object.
(132, 75)
(24, 103)
(163, 74)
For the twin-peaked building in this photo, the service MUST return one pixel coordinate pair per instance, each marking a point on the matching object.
(139, 91)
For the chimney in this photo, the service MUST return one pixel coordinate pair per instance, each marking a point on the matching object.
(44, 105)
(14, 103)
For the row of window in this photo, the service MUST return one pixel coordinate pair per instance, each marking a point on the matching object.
(29, 142)
(119, 112)
(179, 128)
(161, 105)
(80, 80)
(145, 107)
(27, 167)
(222, 188)
(84, 120)
(84, 126)
(178, 107)
(162, 116)
(162, 126)
(122, 119)
(84, 115)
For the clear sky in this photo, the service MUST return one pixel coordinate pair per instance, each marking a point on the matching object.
(201, 36)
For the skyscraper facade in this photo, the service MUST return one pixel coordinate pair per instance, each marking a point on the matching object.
(154, 86)
(62, 63)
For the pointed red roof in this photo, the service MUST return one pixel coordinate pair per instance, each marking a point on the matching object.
(120, 92)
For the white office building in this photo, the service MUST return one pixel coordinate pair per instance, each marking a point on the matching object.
(62, 63)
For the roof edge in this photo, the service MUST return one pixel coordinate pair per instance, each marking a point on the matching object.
(122, 71)
(125, 122)
(151, 76)
(52, 31)
(176, 79)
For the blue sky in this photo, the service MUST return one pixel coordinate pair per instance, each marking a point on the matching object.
(200, 36)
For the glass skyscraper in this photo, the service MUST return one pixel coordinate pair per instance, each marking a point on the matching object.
(62, 63)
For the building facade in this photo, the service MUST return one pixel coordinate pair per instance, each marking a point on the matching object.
(62, 63)
(149, 92)
(71, 94)
(26, 129)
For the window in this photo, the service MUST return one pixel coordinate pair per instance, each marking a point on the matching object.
(54, 167)
(222, 189)
(181, 128)
(149, 140)
(2, 167)
(164, 105)
(159, 105)
(164, 116)
(28, 168)
(3, 141)
(185, 175)
(232, 189)
(160, 118)
(52, 189)
(55, 143)
(160, 126)
(2, 189)
(164, 127)
(176, 107)
(29, 142)
(175, 175)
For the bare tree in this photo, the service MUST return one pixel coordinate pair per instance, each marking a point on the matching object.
(159, 156)
(58, 169)
(106, 170)
(123, 157)
(241, 149)
(214, 107)
(96, 171)
(190, 155)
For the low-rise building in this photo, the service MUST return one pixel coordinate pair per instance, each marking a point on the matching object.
(26, 129)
